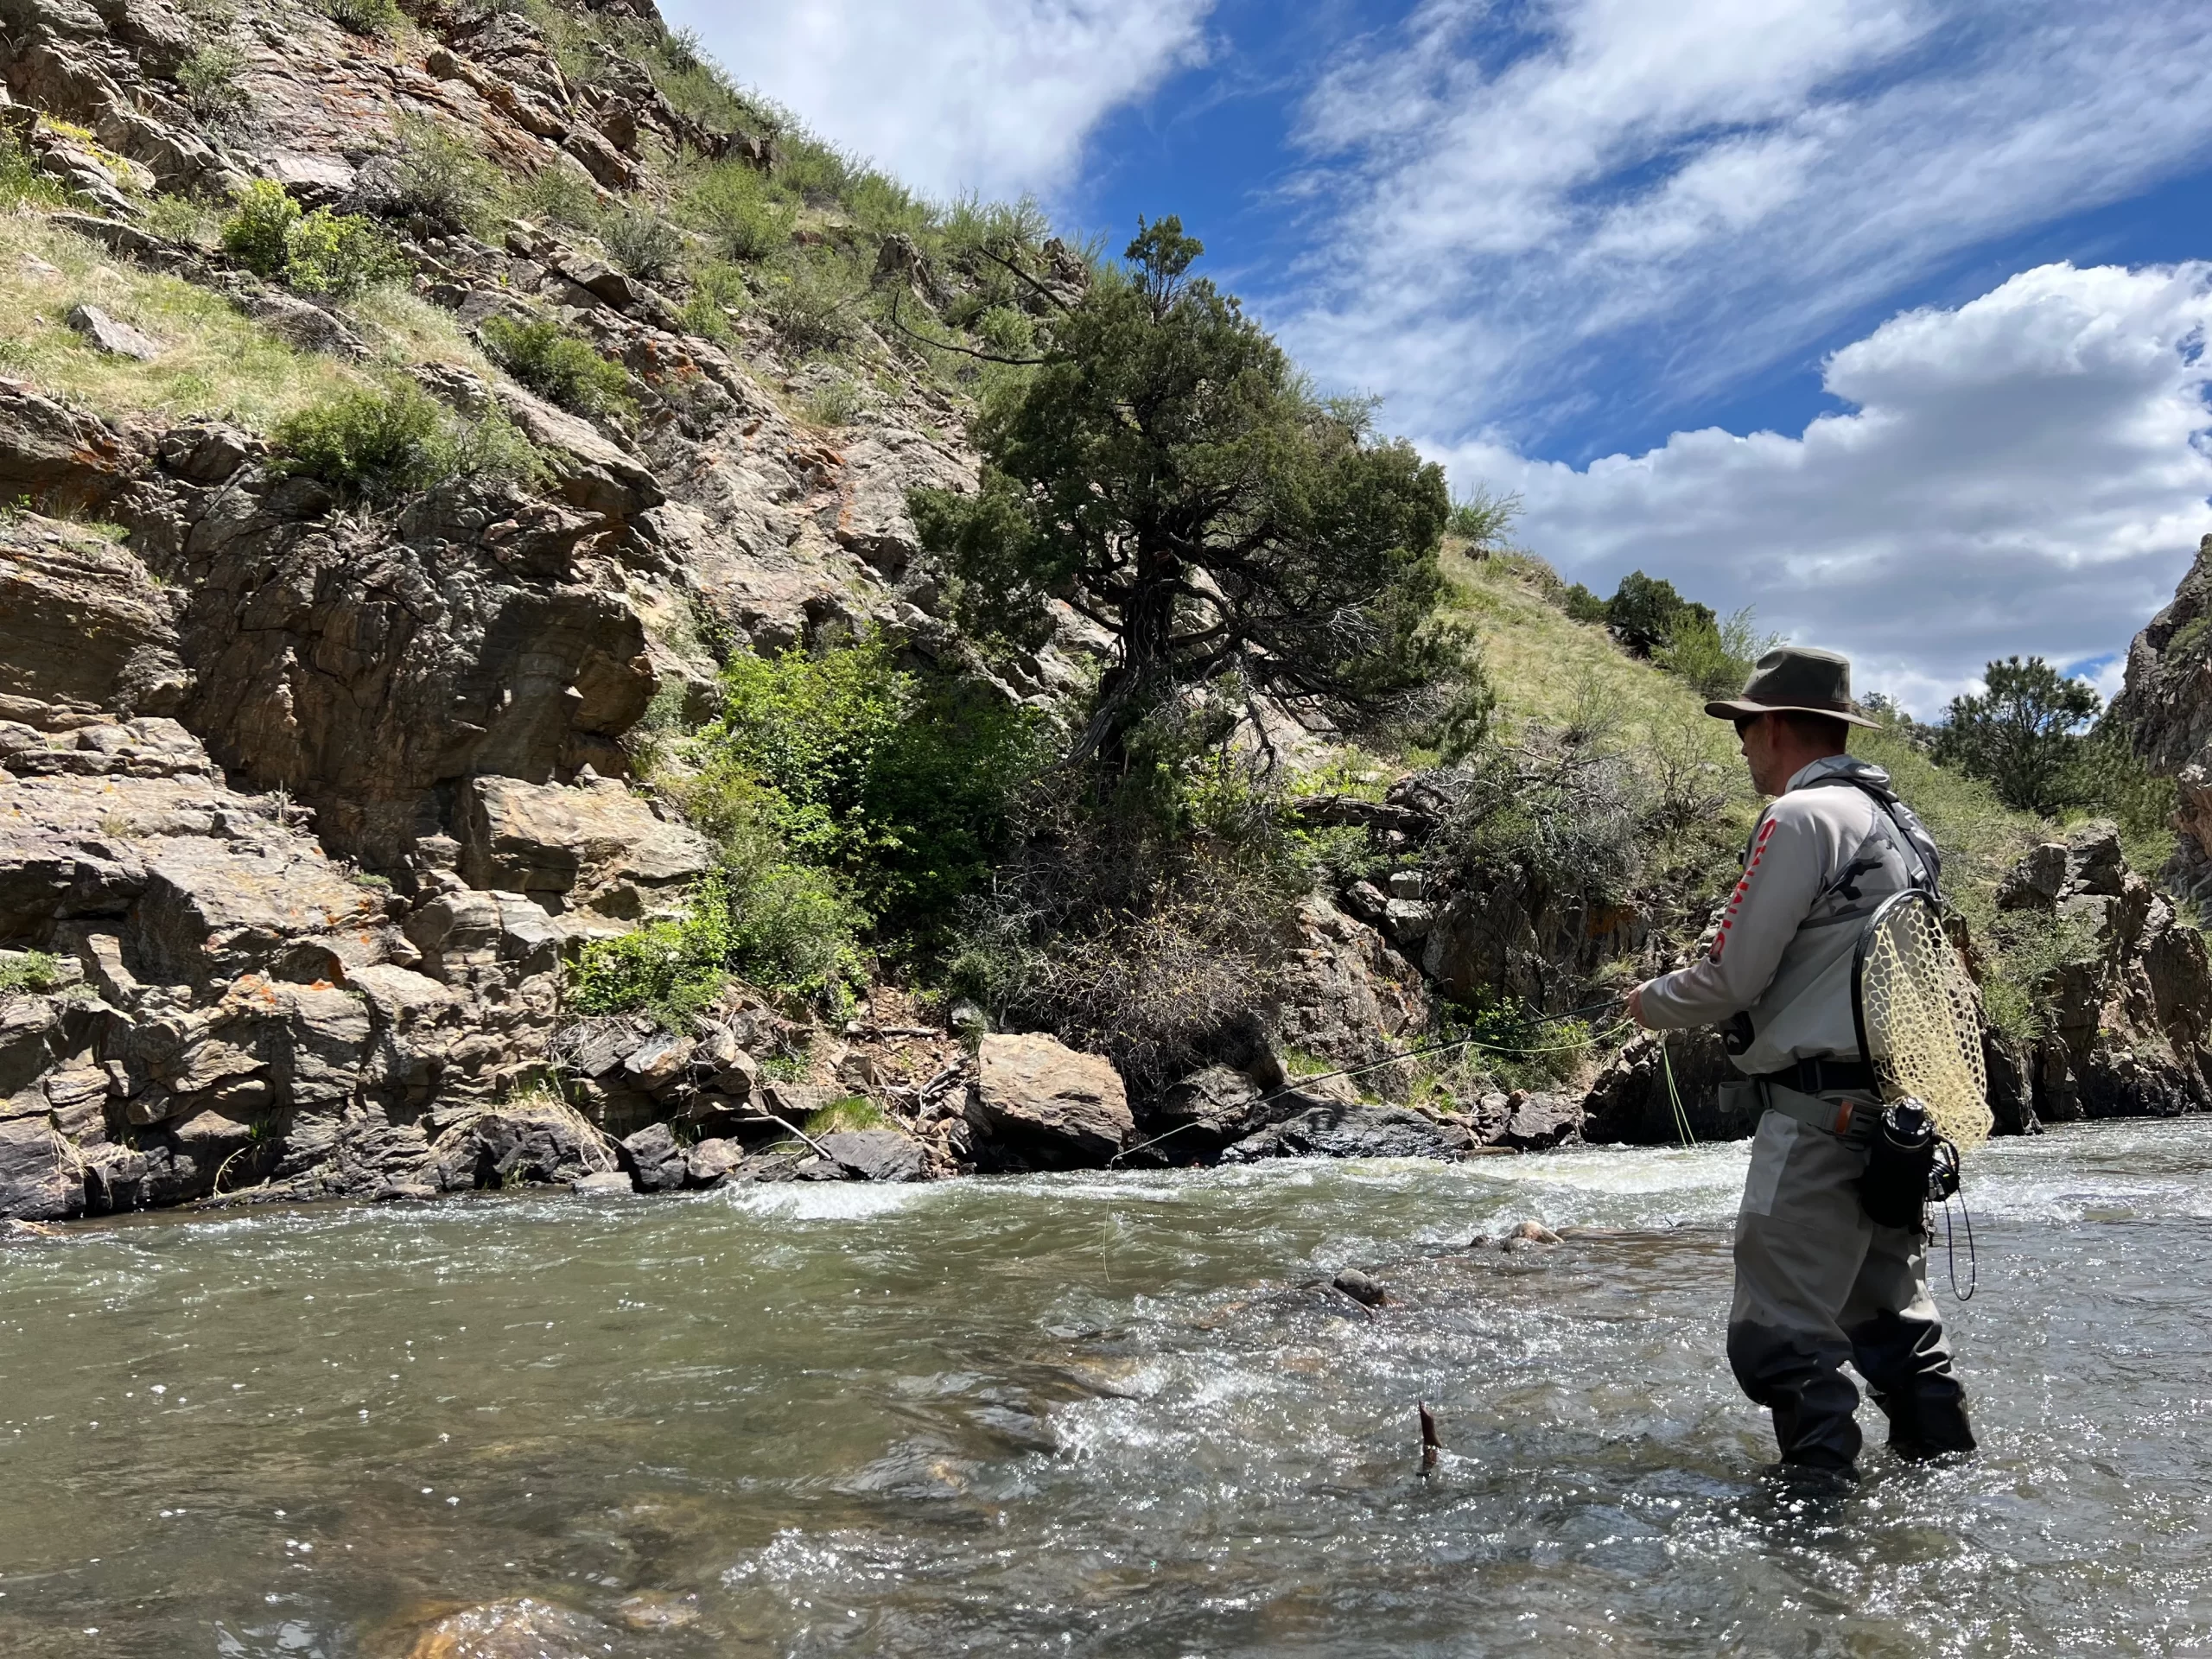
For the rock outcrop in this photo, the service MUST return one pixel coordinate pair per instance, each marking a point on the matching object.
(2123, 1008)
(2165, 709)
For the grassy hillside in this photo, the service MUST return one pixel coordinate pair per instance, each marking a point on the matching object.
(1557, 674)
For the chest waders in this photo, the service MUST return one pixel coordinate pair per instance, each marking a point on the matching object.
(1830, 1247)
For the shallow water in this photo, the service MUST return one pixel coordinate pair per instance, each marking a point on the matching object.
(1086, 1414)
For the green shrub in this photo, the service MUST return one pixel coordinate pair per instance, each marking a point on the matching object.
(901, 785)
(837, 401)
(181, 219)
(1644, 611)
(371, 17)
(642, 242)
(493, 447)
(883, 206)
(28, 973)
(1715, 658)
(19, 179)
(340, 255)
(785, 929)
(809, 299)
(735, 205)
(2023, 948)
(209, 79)
(972, 223)
(1510, 1049)
(1483, 519)
(1558, 821)
(1579, 603)
(258, 232)
(559, 366)
(718, 288)
(555, 194)
(442, 175)
(384, 442)
(853, 1113)
(380, 443)
(2188, 640)
(675, 969)
(814, 171)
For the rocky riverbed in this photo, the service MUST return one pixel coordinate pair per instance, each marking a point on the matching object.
(1129, 1415)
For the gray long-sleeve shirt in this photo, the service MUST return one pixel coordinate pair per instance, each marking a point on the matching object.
(1823, 855)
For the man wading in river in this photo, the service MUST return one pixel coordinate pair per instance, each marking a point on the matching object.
(1818, 1282)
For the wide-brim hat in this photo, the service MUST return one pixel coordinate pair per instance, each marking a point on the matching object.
(1795, 679)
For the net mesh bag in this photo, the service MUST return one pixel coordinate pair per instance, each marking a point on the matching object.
(1921, 1018)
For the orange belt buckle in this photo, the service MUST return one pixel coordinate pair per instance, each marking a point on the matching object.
(1842, 1117)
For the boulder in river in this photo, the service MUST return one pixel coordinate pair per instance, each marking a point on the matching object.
(1537, 1122)
(653, 1158)
(524, 1628)
(1333, 1131)
(709, 1162)
(518, 1144)
(876, 1154)
(1049, 1102)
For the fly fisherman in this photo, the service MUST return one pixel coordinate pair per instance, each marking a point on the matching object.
(1818, 1282)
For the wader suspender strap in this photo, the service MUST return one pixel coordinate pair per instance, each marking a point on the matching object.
(1804, 1080)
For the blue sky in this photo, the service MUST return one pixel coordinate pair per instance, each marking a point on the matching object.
(1880, 316)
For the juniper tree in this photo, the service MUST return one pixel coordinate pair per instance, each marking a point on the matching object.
(2023, 735)
(1167, 471)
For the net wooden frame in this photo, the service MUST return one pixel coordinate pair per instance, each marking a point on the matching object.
(1919, 1017)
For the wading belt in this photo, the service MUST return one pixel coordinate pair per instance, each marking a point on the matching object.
(1811, 1078)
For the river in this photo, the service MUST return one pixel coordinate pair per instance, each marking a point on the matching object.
(1090, 1416)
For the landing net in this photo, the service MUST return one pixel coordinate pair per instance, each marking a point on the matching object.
(1920, 1019)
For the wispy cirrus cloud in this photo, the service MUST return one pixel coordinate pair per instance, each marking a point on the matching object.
(998, 96)
(1609, 200)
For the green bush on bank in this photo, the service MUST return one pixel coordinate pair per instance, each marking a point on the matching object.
(846, 796)
(1713, 653)
(382, 442)
(560, 368)
(321, 253)
(787, 929)
(374, 18)
(901, 785)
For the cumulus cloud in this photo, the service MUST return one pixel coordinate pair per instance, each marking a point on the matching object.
(2027, 472)
(1666, 198)
(992, 95)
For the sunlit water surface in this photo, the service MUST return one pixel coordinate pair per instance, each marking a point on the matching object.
(1092, 1416)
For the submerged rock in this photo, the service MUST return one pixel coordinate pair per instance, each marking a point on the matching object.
(1335, 1131)
(525, 1627)
(1361, 1288)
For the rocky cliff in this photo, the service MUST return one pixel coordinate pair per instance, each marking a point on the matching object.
(306, 799)
(2165, 708)
(308, 796)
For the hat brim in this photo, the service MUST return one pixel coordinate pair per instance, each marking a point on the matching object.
(1738, 709)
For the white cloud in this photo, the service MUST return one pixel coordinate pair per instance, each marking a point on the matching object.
(2027, 472)
(993, 95)
(1697, 189)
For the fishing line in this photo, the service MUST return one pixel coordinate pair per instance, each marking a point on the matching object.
(1674, 1095)
(1950, 1251)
